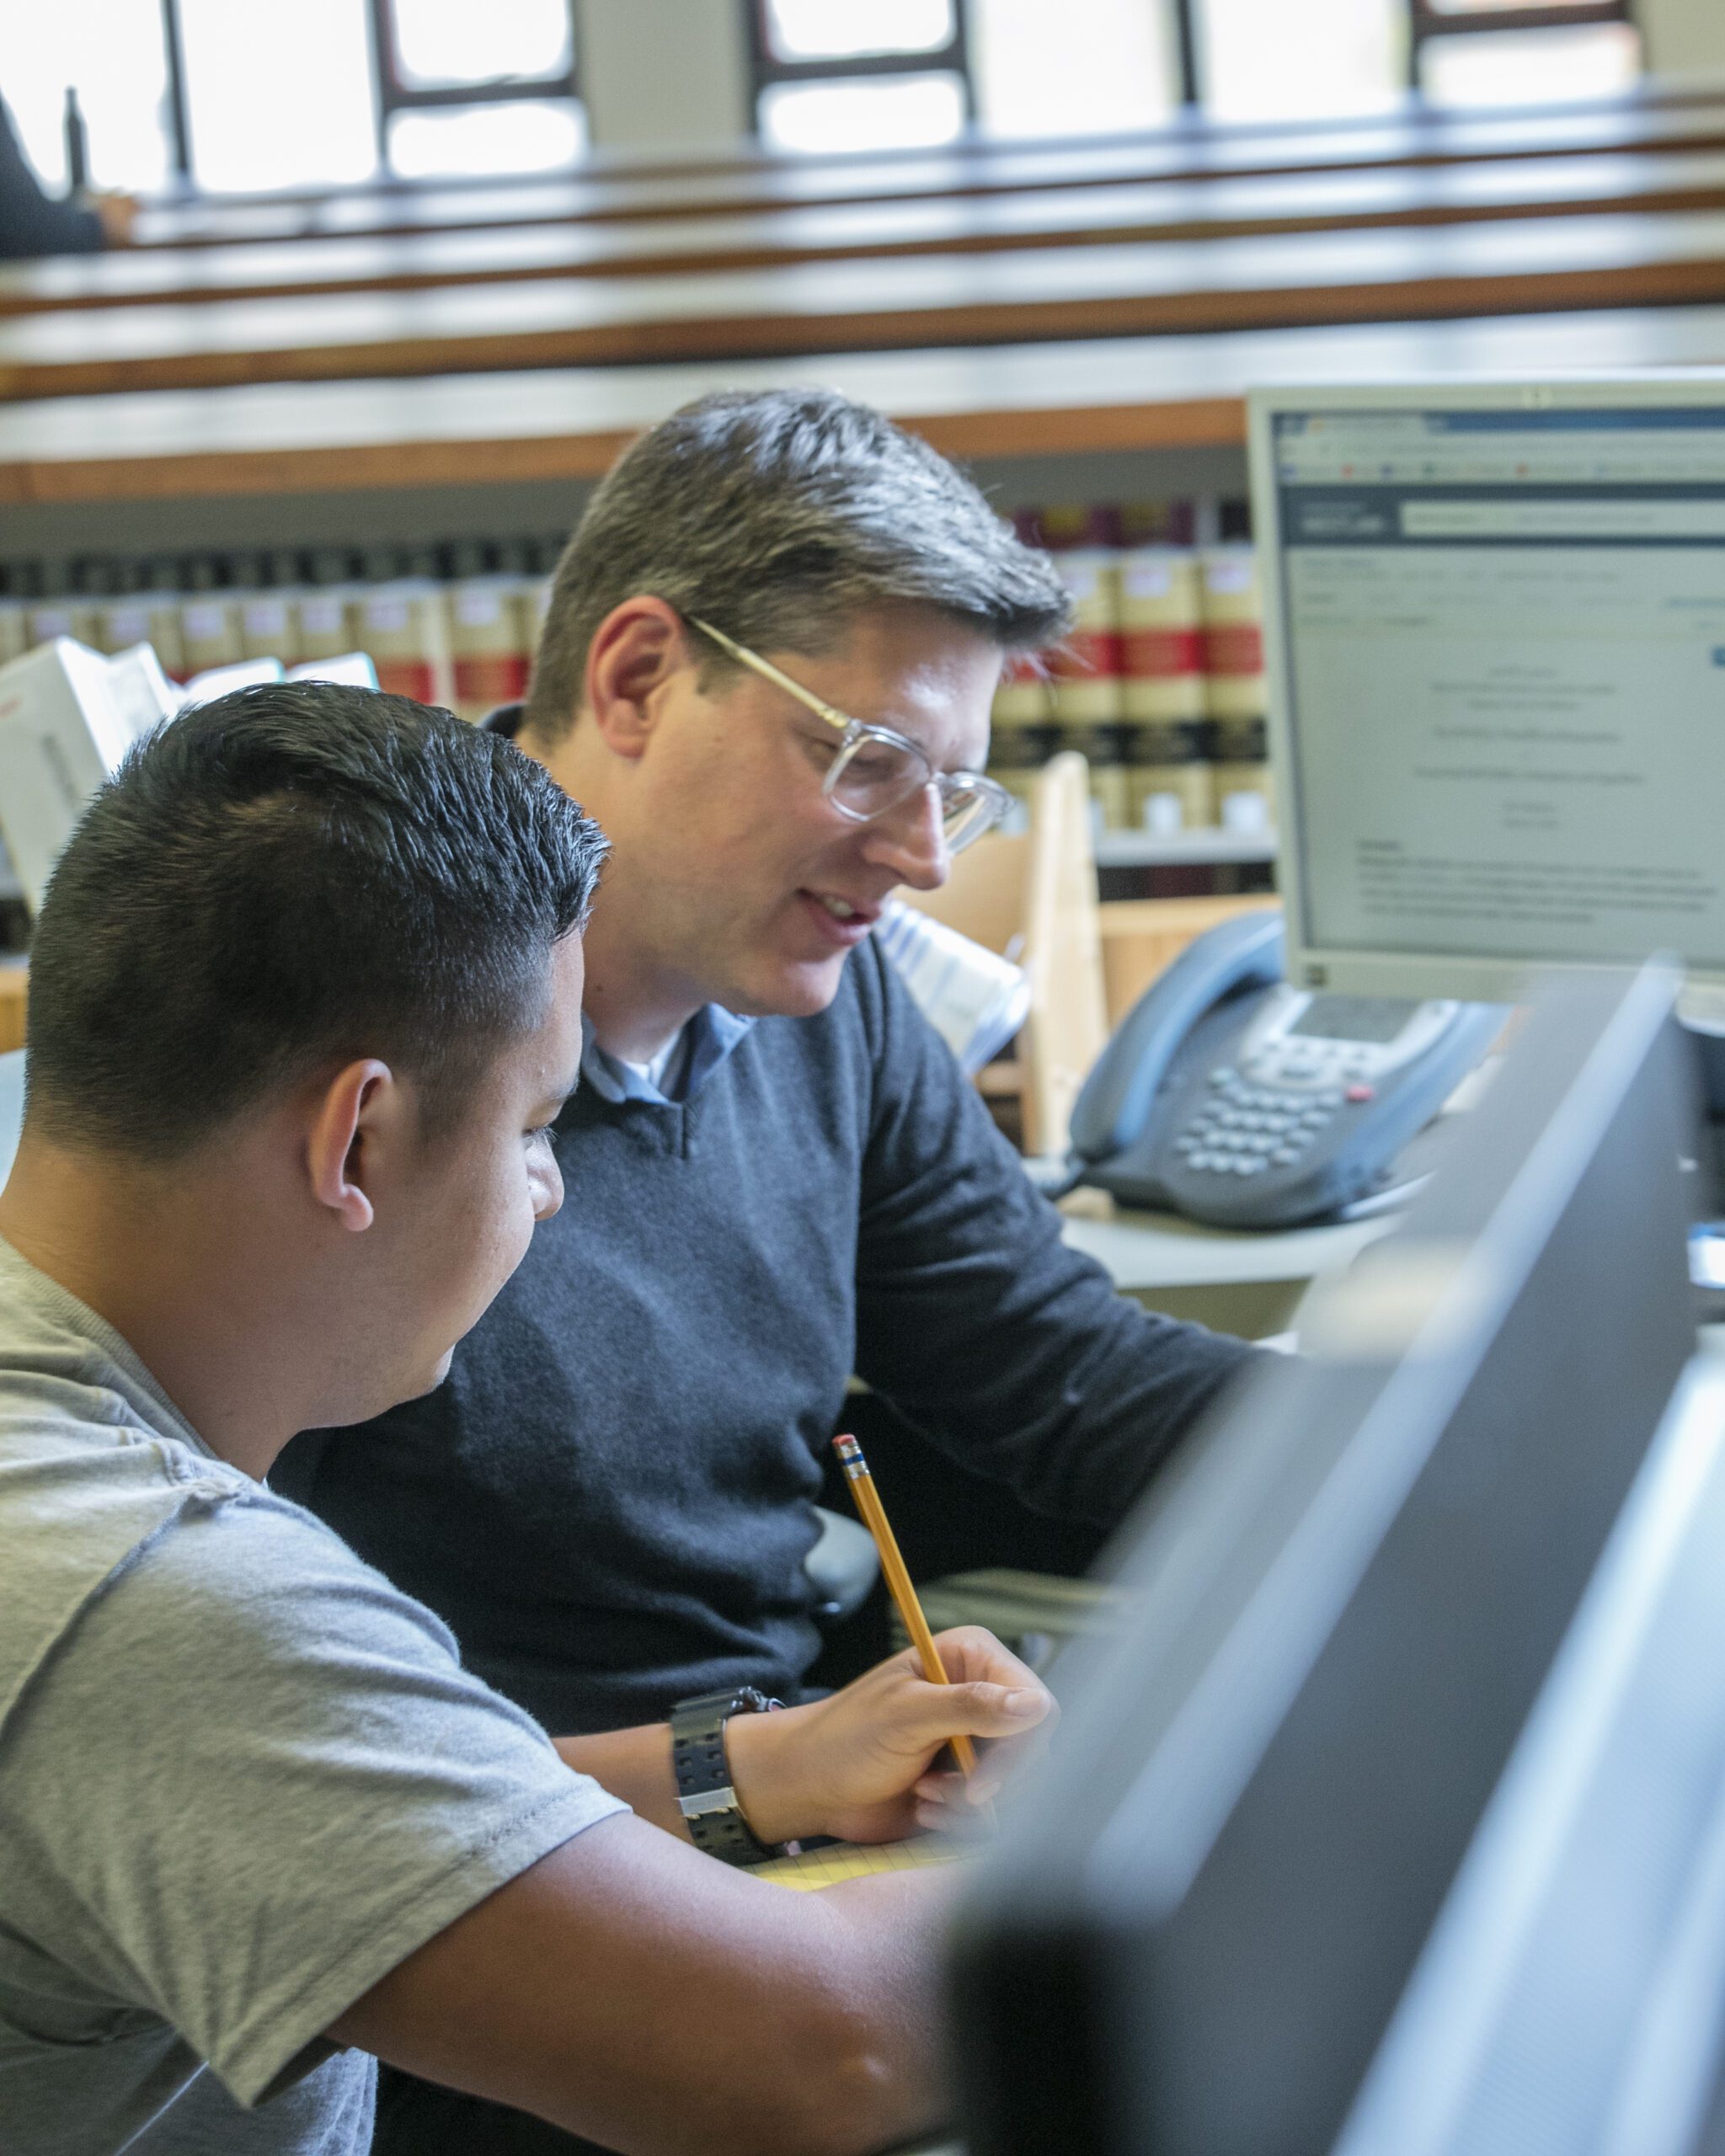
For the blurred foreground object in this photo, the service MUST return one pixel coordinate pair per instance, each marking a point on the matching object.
(32, 222)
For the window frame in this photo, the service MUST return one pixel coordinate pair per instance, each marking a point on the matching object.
(1427, 23)
(389, 93)
(767, 69)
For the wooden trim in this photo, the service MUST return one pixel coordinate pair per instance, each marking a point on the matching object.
(763, 255)
(1218, 422)
(340, 469)
(1414, 298)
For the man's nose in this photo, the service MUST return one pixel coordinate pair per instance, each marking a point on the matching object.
(910, 839)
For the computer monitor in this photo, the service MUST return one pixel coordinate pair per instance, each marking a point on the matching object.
(1495, 644)
(1356, 1732)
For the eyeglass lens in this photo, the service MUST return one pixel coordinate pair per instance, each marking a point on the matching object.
(873, 775)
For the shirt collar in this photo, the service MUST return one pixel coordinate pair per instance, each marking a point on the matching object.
(713, 1032)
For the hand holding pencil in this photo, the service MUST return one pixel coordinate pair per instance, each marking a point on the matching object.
(861, 1765)
(1029, 1699)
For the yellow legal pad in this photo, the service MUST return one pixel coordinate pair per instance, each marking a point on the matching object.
(842, 1860)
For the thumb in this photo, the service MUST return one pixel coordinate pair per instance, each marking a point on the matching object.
(976, 1709)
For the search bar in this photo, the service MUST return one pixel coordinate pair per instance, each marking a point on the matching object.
(1591, 520)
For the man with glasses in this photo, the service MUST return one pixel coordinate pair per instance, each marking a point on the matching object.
(766, 672)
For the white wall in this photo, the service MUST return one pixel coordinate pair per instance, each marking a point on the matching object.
(664, 75)
(1683, 37)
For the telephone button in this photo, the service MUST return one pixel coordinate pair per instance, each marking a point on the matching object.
(1222, 1076)
(1285, 1156)
(1358, 1093)
(1252, 1167)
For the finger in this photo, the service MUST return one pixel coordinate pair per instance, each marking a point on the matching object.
(959, 1794)
(969, 1652)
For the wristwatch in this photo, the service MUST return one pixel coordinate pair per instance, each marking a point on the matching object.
(704, 1793)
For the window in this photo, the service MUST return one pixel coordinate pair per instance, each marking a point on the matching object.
(1346, 56)
(1113, 66)
(857, 74)
(417, 88)
(465, 88)
(1522, 51)
(116, 58)
(314, 129)
(873, 74)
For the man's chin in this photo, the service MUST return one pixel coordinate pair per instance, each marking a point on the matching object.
(414, 1386)
(799, 991)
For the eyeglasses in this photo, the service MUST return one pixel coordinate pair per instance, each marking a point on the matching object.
(875, 771)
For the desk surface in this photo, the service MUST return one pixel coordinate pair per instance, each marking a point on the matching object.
(1148, 1250)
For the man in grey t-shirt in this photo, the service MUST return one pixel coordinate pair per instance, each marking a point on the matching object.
(306, 997)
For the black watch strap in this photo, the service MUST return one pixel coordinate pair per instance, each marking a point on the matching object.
(705, 1797)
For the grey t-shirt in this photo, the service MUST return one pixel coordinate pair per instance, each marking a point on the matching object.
(241, 1776)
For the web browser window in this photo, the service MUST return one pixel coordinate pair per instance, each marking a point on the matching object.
(1504, 674)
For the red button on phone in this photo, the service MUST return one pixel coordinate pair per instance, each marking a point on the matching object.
(1361, 1093)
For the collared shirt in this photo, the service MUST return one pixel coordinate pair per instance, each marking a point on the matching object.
(706, 1041)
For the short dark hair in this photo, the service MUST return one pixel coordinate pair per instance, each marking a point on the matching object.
(283, 880)
(781, 516)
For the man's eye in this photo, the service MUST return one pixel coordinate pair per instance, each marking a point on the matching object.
(875, 761)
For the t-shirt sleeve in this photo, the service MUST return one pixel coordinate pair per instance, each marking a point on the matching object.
(252, 1778)
(1011, 1350)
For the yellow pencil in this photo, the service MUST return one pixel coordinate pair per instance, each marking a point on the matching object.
(898, 1580)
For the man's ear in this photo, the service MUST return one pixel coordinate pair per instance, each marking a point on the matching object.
(362, 1112)
(635, 650)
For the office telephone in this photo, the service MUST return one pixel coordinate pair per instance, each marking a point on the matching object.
(1241, 1101)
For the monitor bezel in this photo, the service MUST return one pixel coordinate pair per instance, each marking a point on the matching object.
(1310, 962)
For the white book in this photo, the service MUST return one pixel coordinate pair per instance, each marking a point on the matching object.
(67, 716)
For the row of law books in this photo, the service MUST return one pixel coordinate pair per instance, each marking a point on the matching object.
(454, 624)
(1160, 680)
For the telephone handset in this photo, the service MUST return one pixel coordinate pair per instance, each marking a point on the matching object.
(1234, 1097)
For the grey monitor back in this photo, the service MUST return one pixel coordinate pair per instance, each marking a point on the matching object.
(1195, 1937)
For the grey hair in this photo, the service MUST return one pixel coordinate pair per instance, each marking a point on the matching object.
(781, 516)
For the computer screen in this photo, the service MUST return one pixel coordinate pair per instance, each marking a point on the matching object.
(1349, 1614)
(1495, 633)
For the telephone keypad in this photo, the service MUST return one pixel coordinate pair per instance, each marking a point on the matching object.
(1239, 1128)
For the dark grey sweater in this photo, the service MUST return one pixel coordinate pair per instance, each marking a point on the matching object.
(610, 1501)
